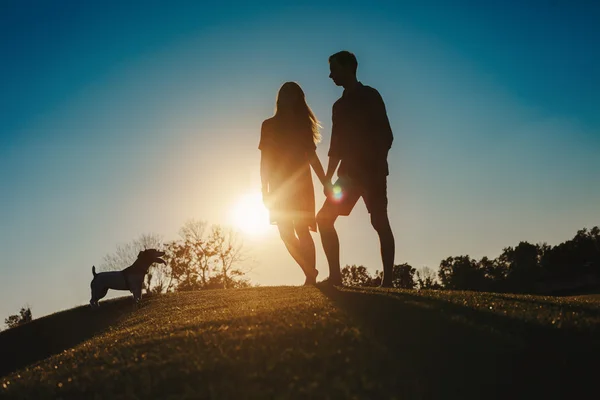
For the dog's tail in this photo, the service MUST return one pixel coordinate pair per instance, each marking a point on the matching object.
(94, 270)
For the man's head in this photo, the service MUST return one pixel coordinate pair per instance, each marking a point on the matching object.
(343, 65)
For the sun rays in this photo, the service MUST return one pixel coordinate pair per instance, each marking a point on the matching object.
(250, 215)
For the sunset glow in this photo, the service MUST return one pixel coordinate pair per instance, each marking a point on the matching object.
(250, 215)
(124, 120)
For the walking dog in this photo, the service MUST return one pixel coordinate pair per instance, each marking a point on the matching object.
(131, 278)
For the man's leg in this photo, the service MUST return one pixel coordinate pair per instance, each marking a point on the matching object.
(329, 238)
(381, 223)
(376, 201)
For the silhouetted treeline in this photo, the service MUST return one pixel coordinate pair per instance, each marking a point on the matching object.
(572, 266)
(527, 268)
(22, 317)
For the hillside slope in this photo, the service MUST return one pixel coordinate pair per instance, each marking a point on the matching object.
(306, 342)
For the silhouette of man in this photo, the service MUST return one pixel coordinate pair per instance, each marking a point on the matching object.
(360, 141)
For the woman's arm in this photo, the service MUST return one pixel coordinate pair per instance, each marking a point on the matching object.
(264, 174)
(314, 161)
(265, 160)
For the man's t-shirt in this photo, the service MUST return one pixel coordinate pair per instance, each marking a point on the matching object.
(361, 134)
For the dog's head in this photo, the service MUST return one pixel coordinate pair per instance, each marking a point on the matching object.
(150, 256)
(144, 260)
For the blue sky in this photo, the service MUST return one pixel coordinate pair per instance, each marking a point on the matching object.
(123, 118)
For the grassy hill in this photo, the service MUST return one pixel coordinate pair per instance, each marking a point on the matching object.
(306, 342)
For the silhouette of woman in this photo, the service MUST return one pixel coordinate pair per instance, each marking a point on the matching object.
(287, 143)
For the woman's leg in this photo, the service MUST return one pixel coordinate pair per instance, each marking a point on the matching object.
(287, 234)
(307, 246)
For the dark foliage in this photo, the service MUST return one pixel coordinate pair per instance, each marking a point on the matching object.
(22, 317)
(570, 267)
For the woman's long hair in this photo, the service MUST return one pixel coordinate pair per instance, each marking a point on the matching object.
(292, 109)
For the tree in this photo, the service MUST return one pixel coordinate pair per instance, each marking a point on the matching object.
(228, 249)
(404, 276)
(356, 276)
(199, 249)
(178, 259)
(426, 279)
(190, 257)
(206, 259)
(461, 273)
(494, 274)
(19, 319)
(522, 267)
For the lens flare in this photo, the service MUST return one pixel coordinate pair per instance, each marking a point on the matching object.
(337, 193)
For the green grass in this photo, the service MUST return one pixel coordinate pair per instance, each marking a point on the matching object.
(297, 342)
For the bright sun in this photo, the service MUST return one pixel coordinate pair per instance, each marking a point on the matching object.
(250, 215)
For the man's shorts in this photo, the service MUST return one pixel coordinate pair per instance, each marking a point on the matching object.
(347, 191)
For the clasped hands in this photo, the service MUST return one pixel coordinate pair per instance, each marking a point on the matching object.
(327, 187)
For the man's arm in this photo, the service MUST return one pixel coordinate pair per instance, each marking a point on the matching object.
(314, 161)
(381, 122)
(335, 148)
(335, 151)
(332, 165)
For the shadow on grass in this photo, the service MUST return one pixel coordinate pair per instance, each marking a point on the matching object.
(468, 353)
(52, 334)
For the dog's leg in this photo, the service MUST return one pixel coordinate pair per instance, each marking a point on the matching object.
(97, 295)
(138, 296)
(94, 289)
(136, 289)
